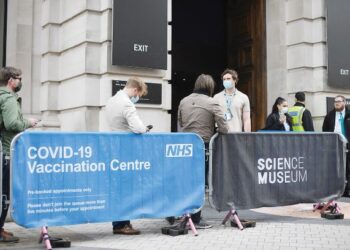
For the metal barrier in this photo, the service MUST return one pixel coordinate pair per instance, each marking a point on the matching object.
(73, 178)
(1, 158)
(252, 170)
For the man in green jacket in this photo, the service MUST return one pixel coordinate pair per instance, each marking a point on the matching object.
(11, 123)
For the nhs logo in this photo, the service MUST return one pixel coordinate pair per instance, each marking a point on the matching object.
(179, 150)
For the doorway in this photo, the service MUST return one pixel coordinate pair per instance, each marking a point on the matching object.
(209, 36)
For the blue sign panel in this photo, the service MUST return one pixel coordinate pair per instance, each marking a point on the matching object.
(73, 178)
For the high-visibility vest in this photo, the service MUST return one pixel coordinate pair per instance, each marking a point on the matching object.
(296, 112)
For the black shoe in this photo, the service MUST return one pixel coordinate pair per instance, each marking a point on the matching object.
(127, 229)
(170, 220)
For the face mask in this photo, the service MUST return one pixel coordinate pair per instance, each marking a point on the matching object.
(134, 99)
(18, 87)
(284, 110)
(227, 84)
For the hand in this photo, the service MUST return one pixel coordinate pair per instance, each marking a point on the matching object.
(33, 122)
(149, 127)
(282, 118)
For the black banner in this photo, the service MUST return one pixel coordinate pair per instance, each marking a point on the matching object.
(252, 170)
(338, 35)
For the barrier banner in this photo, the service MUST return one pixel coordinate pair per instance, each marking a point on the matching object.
(252, 170)
(73, 178)
(1, 180)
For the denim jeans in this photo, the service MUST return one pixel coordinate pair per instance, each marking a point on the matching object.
(5, 189)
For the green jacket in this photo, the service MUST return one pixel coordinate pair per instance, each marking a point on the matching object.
(11, 118)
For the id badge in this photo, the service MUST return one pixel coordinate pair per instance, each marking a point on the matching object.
(228, 116)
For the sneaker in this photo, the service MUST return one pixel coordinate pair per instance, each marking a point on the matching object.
(202, 225)
(6, 237)
(127, 229)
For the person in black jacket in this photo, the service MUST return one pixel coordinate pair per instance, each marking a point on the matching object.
(279, 119)
(306, 118)
(338, 121)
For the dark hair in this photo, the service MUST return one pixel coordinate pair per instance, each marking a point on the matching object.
(205, 83)
(232, 72)
(8, 72)
(278, 101)
(300, 96)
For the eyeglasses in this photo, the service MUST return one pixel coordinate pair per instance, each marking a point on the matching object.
(338, 101)
(17, 77)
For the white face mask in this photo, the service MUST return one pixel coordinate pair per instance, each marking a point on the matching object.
(284, 110)
(134, 99)
(227, 84)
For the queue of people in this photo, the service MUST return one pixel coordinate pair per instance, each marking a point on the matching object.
(200, 112)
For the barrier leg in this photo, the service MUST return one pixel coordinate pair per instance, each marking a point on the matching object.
(227, 217)
(44, 236)
(238, 222)
(233, 213)
(316, 206)
(325, 207)
(190, 222)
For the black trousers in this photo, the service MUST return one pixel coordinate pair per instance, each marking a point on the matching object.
(5, 190)
(347, 175)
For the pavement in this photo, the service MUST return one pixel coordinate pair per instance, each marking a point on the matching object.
(289, 227)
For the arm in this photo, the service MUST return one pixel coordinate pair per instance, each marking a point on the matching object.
(246, 115)
(246, 121)
(12, 115)
(307, 121)
(272, 123)
(134, 121)
(179, 120)
(325, 126)
(219, 118)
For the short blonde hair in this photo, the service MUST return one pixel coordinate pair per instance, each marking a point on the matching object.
(135, 82)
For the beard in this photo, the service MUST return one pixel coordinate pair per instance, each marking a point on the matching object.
(339, 109)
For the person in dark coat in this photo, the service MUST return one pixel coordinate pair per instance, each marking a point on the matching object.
(305, 119)
(338, 121)
(279, 119)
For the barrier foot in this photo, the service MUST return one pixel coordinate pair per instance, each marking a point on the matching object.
(44, 237)
(181, 228)
(334, 212)
(51, 242)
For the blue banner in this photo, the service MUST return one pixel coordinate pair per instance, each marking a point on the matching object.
(74, 178)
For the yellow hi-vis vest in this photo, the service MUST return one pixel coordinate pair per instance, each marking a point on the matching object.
(296, 112)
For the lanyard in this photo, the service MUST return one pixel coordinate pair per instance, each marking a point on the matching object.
(228, 99)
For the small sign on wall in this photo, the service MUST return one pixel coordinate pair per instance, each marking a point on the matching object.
(154, 95)
(140, 33)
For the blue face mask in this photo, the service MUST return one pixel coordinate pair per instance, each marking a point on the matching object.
(134, 99)
(227, 84)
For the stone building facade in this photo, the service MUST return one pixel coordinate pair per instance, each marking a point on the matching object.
(64, 50)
